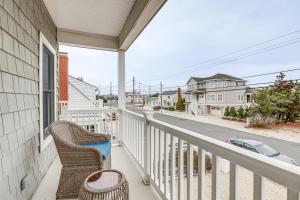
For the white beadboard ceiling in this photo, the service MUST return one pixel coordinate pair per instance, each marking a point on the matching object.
(103, 17)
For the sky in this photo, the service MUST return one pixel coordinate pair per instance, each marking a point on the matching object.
(201, 38)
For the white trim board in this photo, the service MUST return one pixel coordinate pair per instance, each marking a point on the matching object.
(43, 41)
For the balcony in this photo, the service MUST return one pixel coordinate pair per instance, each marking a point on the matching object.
(162, 161)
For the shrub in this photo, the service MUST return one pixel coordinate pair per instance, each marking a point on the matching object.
(260, 120)
(227, 112)
(171, 108)
(241, 113)
(232, 112)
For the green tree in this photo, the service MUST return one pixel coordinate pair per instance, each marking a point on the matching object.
(263, 103)
(286, 97)
(180, 105)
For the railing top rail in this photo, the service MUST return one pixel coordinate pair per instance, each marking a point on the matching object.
(134, 113)
(93, 110)
(283, 173)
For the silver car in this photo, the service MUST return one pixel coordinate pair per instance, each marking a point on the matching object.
(261, 148)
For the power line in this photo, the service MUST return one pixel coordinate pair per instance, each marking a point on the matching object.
(230, 60)
(245, 49)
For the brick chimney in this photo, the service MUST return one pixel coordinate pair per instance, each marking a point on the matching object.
(178, 95)
(63, 76)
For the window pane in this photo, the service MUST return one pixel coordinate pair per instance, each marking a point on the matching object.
(48, 90)
(46, 67)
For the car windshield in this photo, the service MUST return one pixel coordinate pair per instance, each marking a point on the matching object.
(267, 150)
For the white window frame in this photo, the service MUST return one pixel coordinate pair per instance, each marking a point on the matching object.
(218, 97)
(241, 98)
(43, 41)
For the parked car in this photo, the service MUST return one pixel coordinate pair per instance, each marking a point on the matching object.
(261, 148)
(156, 108)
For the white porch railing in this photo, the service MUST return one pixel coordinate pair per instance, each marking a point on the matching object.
(158, 149)
(98, 121)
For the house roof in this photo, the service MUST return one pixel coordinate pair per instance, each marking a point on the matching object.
(72, 77)
(218, 76)
(101, 24)
(170, 92)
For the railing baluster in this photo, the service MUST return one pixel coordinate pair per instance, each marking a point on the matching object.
(180, 170)
(234, 182)
(201, 174)
(215, 178)
(138, 140)
(173, 168)
(155, 170)
(166, 164)
(190, 168)
(257, 187)
(151, 154)
(160, 159)
(291, 195)
(146, 151)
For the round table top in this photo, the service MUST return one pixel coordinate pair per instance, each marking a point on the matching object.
(104, 179)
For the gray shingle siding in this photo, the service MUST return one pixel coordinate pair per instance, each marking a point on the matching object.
(20, 24)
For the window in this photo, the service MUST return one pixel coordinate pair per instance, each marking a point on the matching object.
(47, 90)
(211, 84)
(241, 98)
(220, 98)
(219, 84)
(240, 83)
(211, 97)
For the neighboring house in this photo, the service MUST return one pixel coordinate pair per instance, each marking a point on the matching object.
(82, 95)
(211, 95)
(153, 101)
(75, 94)
(138, 98)
(169, 98)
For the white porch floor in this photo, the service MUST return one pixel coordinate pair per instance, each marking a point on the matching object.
(120, 161)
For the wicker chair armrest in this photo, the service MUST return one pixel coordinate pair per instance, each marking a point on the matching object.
(86, 137)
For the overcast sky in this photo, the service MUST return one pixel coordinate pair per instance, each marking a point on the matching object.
(189, 38)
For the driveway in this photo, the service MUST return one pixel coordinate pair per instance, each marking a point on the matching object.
(290, 149)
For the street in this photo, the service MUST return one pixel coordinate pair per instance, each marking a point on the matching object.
(290, 149)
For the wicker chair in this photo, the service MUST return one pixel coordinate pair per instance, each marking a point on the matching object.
(77, 161)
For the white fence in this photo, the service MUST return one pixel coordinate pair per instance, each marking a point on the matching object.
(167, 155)
(98, 121)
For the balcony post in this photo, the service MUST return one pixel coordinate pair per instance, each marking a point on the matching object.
(146, 178)
(121, 92)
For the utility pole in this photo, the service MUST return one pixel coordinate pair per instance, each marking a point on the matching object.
(139, 97)
(110, 94)
(160, 96)
(149, 91)
(133, 93)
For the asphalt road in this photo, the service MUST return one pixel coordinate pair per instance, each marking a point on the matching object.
(290, 149)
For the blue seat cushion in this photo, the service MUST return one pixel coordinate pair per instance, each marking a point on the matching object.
(103, 147)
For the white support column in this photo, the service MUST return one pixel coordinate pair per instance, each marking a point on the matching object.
(121, 80)
(121, 94)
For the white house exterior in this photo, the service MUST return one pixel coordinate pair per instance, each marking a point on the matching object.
(169, 98)
(82, 95)
(153, 101)
(211, 95)
(138, 98)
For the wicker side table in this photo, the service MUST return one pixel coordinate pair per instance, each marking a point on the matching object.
(105, 185)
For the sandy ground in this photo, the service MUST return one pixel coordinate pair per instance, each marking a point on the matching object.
(289, 132)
